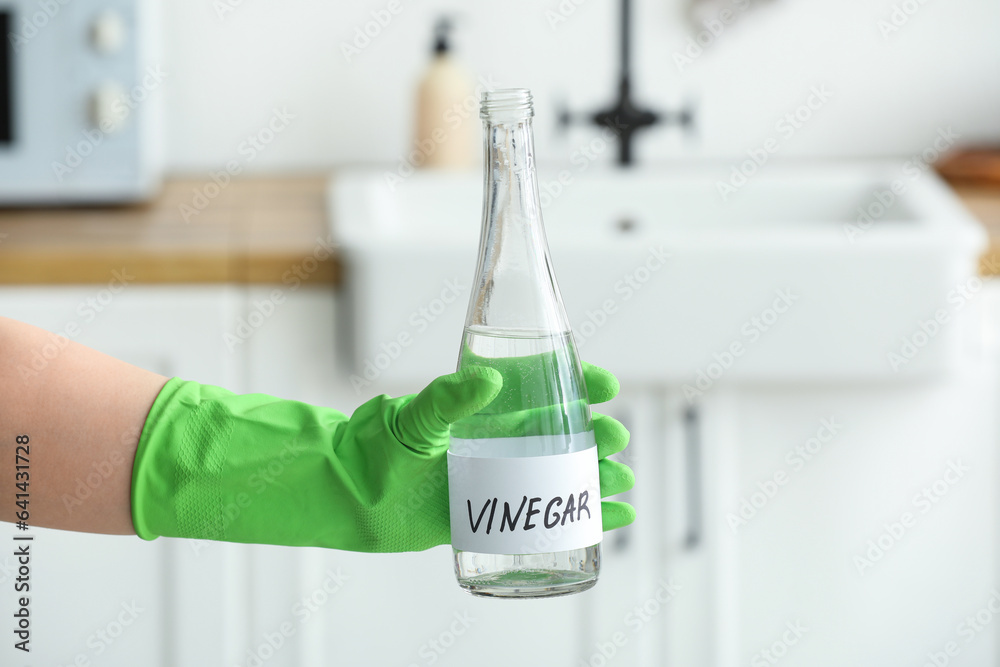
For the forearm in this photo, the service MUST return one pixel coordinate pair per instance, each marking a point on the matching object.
(83, 412)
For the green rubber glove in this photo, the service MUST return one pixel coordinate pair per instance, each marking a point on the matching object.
(256, 469)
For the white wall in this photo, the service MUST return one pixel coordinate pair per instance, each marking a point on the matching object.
(889, 94)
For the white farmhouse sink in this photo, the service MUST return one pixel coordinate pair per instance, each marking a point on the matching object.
(787, 241)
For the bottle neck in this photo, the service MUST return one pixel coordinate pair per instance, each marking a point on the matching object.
(511, 183)
(514, 267)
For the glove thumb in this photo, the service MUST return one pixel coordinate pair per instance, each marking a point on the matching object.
(425, 422)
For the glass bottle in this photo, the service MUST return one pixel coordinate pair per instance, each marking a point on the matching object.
(524, 489)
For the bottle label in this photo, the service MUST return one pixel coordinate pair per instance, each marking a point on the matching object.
(524, 505)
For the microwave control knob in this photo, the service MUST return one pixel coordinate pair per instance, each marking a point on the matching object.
(108, 110)
(107, 33)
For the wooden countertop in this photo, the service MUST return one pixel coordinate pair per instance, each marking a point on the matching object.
(254, 231)
(984, 203)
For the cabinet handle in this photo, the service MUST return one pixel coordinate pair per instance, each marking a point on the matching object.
(692, 486)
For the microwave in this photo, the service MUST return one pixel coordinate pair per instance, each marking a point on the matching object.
(80, 91)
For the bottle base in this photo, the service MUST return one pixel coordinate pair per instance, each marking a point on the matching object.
(528, 576)
(530, 584)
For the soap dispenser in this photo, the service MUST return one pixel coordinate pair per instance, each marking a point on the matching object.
(447, 110)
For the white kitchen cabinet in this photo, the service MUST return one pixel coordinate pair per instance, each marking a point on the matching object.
(170, 330)
(875, 548)
(119, 601)
(680, 587)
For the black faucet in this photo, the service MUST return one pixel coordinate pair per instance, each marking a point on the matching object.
(624, 117)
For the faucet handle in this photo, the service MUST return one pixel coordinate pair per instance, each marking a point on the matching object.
(684, 117)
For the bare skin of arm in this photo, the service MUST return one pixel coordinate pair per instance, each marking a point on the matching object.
(83, 412)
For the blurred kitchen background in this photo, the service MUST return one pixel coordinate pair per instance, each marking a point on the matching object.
(794, 281)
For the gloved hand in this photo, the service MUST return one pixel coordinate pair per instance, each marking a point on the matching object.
(256, 469)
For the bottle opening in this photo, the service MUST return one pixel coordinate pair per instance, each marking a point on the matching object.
(507, 103)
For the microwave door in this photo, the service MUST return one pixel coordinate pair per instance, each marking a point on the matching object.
(79, 91)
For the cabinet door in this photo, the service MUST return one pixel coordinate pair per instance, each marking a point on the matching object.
(861, 526)
(639, 590)
(697, 469)
(844, 524)
(168, 330)
(119, 601)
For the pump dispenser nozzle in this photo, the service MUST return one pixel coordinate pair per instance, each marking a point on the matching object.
(442, 35)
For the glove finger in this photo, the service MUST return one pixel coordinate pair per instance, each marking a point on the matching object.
(425, 422)
(615, 477)
(602, 385)
(611, 435)
(616, 514)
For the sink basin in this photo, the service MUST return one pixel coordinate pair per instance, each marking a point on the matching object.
(808, 272)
